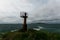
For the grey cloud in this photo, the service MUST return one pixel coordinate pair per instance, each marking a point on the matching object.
(48, 12)
(38, 10)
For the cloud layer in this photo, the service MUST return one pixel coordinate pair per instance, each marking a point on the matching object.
(38, 10)
(49, 12)
(10, 10)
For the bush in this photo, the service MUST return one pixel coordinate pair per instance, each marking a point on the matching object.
(31, 35)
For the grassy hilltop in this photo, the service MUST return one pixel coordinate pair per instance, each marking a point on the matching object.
(31, 35)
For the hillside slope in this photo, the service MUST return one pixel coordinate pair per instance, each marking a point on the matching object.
(31, 35)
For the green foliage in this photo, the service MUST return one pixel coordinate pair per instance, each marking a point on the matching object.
(31, 35)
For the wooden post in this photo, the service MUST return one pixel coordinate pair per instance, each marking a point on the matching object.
(24, 23)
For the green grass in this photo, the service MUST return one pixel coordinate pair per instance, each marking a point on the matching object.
(31, 35)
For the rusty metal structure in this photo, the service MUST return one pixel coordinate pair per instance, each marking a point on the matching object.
(25, 19)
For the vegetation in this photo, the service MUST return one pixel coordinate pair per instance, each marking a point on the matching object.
(31, 35)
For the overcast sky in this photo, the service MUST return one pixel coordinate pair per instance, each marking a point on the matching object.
(38, 11)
